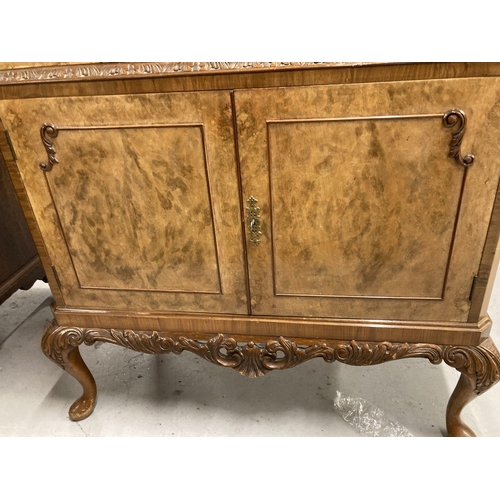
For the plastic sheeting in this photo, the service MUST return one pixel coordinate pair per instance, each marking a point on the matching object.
(367, 419)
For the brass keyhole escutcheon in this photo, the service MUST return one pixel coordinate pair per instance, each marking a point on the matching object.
(253, 215)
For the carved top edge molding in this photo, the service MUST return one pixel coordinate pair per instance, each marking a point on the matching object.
(72, 72)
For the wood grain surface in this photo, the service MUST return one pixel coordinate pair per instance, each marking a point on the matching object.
(377, 240)
(112, 83)
(358, 207)
(370, 207)
(135, 216)
(258, 328)
(477, 96)
(150, 189)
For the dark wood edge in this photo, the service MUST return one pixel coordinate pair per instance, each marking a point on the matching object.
(23, 279)
(488, 265)
(252, 328)
(242, 207)
(22, 195)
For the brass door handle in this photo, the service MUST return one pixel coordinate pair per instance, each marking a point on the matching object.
(253, 214)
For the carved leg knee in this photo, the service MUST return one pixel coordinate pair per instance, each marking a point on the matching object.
(480, 370)
(60, 344)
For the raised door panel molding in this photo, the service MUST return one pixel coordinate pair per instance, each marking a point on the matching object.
(140, 199)
(368, 197)
(355, 210)
(149, 188)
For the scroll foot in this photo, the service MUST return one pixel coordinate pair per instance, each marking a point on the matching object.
(480, 370)
(60, 344)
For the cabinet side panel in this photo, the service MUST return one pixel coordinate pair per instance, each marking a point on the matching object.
(13, 170)
(488, 267)
(16, 244)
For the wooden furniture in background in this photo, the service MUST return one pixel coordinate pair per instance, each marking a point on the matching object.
(263, 214)
(20, 265)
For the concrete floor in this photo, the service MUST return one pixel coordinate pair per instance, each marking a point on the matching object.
(169, 395)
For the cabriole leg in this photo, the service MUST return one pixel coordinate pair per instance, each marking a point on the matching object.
(60, 344)
(480, 370)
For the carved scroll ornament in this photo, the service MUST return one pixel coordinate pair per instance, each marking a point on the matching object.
(480, 363)
(49, 132)
(451, 119)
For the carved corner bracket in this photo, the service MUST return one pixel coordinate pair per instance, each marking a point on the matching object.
(58, 340)
(48, 132)
(481, 364)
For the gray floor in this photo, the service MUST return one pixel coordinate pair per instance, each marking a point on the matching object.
(143, 395)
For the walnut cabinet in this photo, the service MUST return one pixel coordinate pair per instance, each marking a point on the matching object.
(260, 215)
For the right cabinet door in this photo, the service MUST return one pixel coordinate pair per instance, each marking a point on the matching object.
(363, 199)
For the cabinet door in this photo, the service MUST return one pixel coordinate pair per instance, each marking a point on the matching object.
(136, 197)
(363, 212)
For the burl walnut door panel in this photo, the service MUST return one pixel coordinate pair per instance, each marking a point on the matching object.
(138, 197)
(363, 212)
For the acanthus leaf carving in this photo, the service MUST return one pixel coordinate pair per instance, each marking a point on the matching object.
(480, 363)
(58, 340)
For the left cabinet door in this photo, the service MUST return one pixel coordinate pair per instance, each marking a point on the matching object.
(136, 198)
